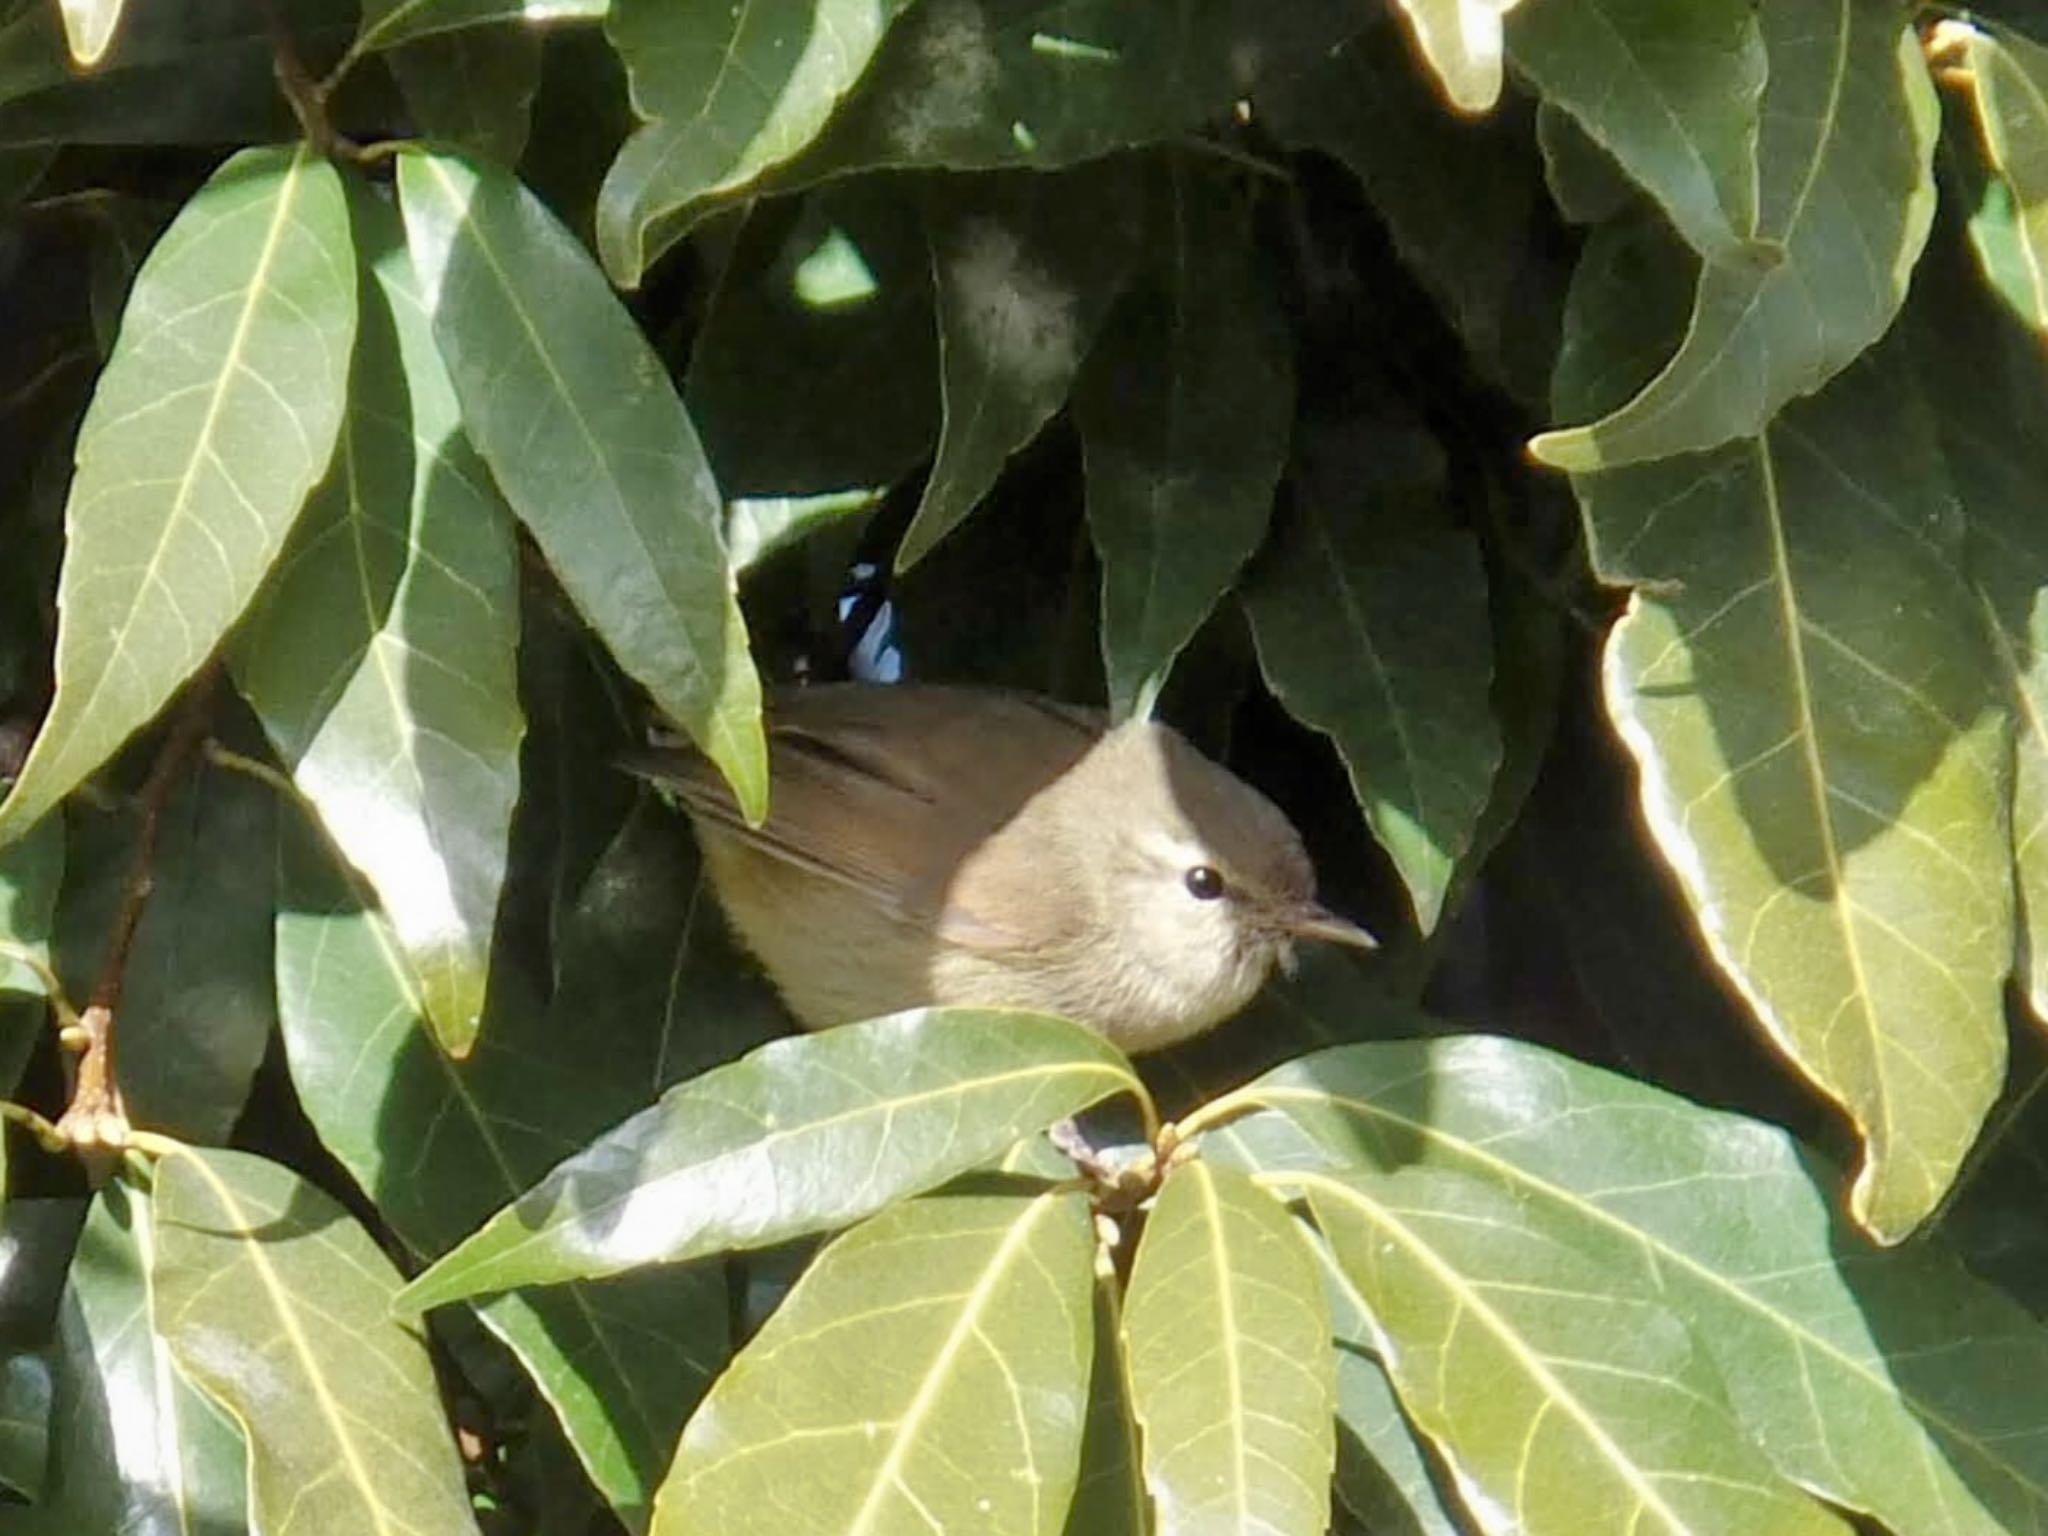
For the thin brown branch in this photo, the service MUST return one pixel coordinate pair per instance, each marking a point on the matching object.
(308, 96)
(96, 1120)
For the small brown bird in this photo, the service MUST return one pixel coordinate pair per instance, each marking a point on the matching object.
(971, 847)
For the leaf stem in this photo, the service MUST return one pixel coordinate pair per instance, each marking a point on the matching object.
(96, 1119)
(1217, 1112)
(46, 976)
(47, 1135)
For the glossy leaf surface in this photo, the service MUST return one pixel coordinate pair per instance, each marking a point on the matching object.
(1232, 1378)
(1844, 197)
(588, 441)
(215, 416)
(759, 1151)
(278, 1304)
(1888, 1381)
(380, 657)
(929, 1371)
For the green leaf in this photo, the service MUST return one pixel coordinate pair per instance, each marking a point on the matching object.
(927, 1373)
(438, 1145)
(200, 72)
(581, 427)
(25, 1402)
(816, 368)
(729, 92)
(981, 84)
(1585, 182)
(1803, 680)
(1845, 196)
(760, 1151)
(1025, 265)
(473, 90)
(31, 872)
(1562, 1406)
(1383, 1476)
(758, 527)
(1184, 408)
(1867, 1376)
(1985, 383)
(278, 1305)
(1460, 43)
(1671, 92)
(134, 1447)
(380, 656)
(197, 1000)
(1457, 195)
(1109, 1491)
(212, 421)
(387, 23)
(2007, 78)
(1371, 625)
(1232, 1379)
(89, 26)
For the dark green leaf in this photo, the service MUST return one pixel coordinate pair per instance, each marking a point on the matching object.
(1670, 91)
(589, 443)
(439, 1145)
(1584, 180)
(1803, 679)
(815, 370)
(1232, 1379)
(213, 419)
(761, 1151)
(25, 1394)
(928, 1372)
(1889, 1382)
(730, 92)
(1184, 409)
(197, 1000)
(31, 871)
(1026, 265)
(473, 90)
(1371, 624)
(1845, 195)
(275, 1301)
(381, 654)
(134, 1447)
(1109, 1493)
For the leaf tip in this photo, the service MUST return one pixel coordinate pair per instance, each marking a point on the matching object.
(1570, 449)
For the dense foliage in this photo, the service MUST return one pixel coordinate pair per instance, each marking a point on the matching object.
(1585, 458)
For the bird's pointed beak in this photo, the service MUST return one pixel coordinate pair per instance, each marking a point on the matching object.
(1313, 921)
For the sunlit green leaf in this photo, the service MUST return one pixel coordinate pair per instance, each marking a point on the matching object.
(929, 1372)
(1845, 195)
(1232, 1379)
(1184, 409)
(1888, 1381)
(1824, 755)
(1670, 91)
(197, 1001)
(2006, 75)
(1460, 42)
(278, 1305)
(380, 656)
(1371, 625)
(134, 1447)
(766, 1149)
(438, 1145)
(212, 421)
(585, 435)
(387, 23)
(728, 92)
(1562, 1406)
(1383, 1476)
(1026, 265)
(88, 28)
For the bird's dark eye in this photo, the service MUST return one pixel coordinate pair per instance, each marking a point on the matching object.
(1204, 883)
